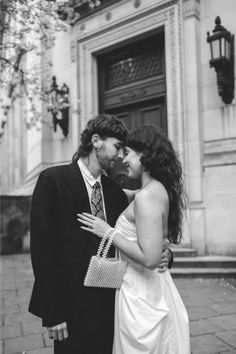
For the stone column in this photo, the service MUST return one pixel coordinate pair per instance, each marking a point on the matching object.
(193, 114)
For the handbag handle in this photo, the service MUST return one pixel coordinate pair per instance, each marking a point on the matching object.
(102, 251)
(105, 237)
(109, 242)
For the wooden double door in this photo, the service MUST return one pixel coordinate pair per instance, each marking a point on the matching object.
(132, 85)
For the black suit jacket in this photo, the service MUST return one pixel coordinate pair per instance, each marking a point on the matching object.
(61, 251)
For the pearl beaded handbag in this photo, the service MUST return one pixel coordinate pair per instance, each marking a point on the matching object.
(104, 272)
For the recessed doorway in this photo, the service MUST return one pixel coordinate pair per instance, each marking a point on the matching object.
(132, 85)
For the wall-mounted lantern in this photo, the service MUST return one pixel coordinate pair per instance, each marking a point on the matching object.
(59, 106)
(222, 59)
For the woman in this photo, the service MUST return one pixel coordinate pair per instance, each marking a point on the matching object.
(150, 317)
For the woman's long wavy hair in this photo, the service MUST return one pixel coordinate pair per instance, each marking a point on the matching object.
(106, 126)
(160, 160)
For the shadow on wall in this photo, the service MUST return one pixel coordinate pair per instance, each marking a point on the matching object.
(15, 216)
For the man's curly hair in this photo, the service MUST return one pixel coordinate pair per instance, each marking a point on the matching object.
(106, 126)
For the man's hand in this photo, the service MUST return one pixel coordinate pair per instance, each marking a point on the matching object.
(58, 332)
(165, 259)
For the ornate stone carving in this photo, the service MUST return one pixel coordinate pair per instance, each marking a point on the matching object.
(108, 16)
(73, 51)
(191, 8)
(128, 30)
(137, 3)
(82, 27)
(131, 95)
(174, 72)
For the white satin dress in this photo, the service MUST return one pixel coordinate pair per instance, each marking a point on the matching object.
(150, 317)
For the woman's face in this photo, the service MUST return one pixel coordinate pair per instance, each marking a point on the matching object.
(132, 163)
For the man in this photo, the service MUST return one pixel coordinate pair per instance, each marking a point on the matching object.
(79, 319)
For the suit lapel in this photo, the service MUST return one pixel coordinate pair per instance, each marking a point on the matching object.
(78, 189)
(109, 204)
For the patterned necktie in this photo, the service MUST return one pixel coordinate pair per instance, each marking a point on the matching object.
(96, 201)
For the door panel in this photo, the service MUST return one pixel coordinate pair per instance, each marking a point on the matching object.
(134, 116)
(145, 114)
(151, 116)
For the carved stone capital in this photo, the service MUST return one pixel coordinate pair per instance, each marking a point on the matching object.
(191, 8)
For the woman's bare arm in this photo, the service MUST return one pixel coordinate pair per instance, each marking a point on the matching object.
(148, 210)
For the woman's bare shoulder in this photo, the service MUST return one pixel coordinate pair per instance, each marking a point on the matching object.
(155, 190)
(153, 198)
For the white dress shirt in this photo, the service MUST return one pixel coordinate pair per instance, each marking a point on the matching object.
(89, 181)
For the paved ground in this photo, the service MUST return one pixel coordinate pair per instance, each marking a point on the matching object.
(211, 305)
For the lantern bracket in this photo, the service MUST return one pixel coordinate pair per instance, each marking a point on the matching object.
(59, 106)
(222, 59)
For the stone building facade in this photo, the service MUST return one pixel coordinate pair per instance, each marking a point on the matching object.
(100, 60)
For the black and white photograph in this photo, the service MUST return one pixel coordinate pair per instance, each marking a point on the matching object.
(117, 177)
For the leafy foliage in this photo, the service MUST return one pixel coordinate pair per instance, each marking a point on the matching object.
(28, 29)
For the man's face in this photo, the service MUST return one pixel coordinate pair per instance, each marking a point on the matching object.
(108, 152)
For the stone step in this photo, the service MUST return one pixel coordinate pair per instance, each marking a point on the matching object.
(205, 262)
(184, 252)
(203, 272)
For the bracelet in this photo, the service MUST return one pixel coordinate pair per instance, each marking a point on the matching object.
(108, 232)
(115, 233)
(111, 233)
